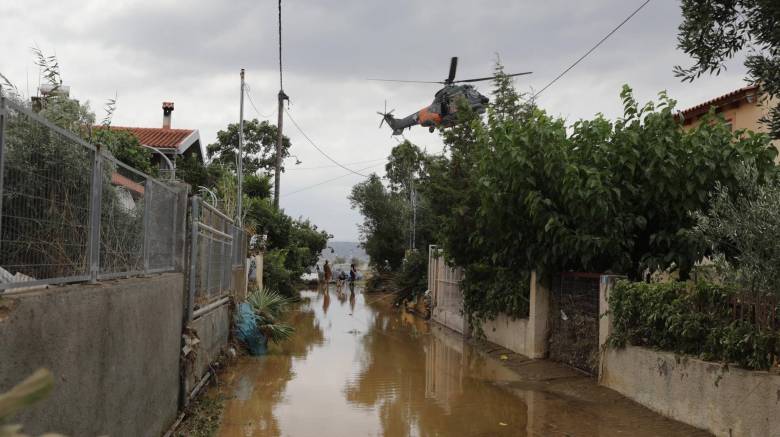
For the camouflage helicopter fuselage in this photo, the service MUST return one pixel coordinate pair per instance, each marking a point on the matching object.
(442, 112)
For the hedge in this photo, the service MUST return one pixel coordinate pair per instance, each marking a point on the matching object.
(689, 318)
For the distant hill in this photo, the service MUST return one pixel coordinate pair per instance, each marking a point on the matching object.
(346, 250)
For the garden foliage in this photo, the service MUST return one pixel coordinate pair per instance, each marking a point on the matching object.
(689, 318)
(715, 31)
(738, 228)
(521, 191)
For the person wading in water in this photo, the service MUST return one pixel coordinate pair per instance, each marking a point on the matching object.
(328, 274)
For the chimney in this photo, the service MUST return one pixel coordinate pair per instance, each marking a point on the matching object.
(167, 109)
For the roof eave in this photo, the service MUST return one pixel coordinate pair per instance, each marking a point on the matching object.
(187, 142)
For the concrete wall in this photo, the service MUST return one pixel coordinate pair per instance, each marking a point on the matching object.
(509, 333)
(725, 401)
(213, 330)
(527, 336)
(450, 318)
(114, 351)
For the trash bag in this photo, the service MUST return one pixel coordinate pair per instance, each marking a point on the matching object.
(247, 331)
(252, 270)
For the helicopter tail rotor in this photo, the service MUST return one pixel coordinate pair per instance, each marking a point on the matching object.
(386, 116)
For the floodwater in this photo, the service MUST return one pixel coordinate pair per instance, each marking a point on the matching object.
(358, 367)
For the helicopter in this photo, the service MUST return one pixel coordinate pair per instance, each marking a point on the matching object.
(442, 112)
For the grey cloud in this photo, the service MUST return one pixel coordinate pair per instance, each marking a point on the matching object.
(190, 51)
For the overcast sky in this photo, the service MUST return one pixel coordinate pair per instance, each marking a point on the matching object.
(190, 52)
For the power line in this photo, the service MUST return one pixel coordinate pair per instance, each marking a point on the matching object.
(319, 167)
(252, 102)
(594, 47)
(318, 149)
(330, 180)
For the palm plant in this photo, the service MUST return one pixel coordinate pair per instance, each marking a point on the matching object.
(268, 306)
(33, 389)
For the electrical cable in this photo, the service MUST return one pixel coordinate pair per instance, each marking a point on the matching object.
(320, 167)
(252, 103)
(257, 111)
(329, 180)
(594, 47)
(318, 149)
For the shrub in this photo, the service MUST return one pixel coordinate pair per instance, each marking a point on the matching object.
(412, 278)
(688, 318)
(275, 275)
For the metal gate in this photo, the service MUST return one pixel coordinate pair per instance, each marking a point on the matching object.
(574, 314)
(217, 246)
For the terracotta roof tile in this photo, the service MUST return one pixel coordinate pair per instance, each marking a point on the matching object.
(732, 97)
(157, 137)
(118, 179)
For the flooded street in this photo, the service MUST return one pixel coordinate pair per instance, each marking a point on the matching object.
(357, 367)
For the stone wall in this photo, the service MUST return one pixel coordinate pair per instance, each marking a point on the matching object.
(113, 349)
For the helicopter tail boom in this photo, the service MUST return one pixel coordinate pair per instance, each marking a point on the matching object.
(398, 125)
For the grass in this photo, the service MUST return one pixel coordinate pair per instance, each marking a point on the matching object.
(202, 417)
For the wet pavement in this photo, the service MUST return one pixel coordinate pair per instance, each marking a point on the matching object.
(358, 367)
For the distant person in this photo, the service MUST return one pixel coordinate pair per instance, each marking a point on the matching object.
(342, 279)
(320, 276)
(352, 273)
(328, 273)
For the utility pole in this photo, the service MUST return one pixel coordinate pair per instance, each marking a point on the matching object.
(279, 139)
(240, 164)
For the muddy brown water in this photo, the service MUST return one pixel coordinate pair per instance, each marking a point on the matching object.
(358, 367)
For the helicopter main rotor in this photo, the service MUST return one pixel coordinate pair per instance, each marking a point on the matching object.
(451, 77)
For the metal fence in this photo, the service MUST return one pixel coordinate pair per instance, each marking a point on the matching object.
(217, 247)
(71, 212)
(444, 282)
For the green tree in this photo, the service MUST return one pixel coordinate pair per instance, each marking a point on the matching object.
(714, 31)
(385, 222)
(293, 246)
(736, 228)
(259, 146)
(404, 165)
(523, 192)
(126, 148)
(191, 169)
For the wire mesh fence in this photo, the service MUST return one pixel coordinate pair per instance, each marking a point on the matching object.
(70, 212)
(574, 317)
(45, 204)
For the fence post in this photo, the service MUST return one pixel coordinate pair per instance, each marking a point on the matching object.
(2, 159)
(96, 193)
(174, 228)
(147, 218)
(194, 213)
(224, 283)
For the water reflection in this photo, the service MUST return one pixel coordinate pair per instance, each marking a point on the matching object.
(358, 367)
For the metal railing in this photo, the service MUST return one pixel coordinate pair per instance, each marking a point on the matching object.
(217, 247)
(71, 212)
